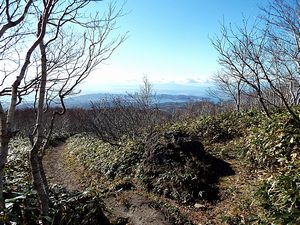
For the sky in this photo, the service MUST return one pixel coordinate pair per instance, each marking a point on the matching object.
(169, 42)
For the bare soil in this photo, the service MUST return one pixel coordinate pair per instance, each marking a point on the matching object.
(136, 208)
(58, 173)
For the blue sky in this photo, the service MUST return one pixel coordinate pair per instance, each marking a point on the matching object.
(169, 42)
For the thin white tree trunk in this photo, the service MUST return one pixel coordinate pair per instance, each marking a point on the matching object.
(39, 181)
(4, 140)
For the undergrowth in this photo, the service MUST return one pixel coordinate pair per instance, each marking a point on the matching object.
(113, 161)
(21, 201)
(270, 147)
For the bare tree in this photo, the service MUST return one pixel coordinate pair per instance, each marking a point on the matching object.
(227, 87)
(238, 50)
(282, 18)
(59, 72)
(11, 10)
(259, 57)
(128, 116)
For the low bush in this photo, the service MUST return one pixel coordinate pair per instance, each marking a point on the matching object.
(166, 151)
(273, 141)
(21, 201)
(279, 196)
(97, 156)
(76, 208)
(217, 129)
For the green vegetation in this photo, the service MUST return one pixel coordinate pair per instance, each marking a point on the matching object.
(274, 142)
(269, 148)
(113, 161)
(273, 145)
(171, 167)
(234, 168)
(279, 196)
(21, 202)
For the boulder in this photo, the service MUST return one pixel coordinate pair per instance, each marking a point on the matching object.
(176, 166)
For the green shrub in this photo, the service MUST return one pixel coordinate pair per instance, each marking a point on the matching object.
(279, 196)
(21, 200)
(76, 208)
(95, 155)
(217, 129)
(273, 141)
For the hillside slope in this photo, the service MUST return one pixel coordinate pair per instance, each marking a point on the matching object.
(261, 154)
(234, 168)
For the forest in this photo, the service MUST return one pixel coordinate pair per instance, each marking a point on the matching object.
(127, 160)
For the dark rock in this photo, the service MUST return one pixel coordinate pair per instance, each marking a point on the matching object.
(124, 186)
(176, 165)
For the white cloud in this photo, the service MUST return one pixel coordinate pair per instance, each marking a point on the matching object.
(180, 80)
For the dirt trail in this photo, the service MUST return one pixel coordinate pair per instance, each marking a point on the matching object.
(136, 209)
(58, 173)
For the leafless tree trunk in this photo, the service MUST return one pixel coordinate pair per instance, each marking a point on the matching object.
(235, 48)
(4, 139)
(39, 181)
(7, 119)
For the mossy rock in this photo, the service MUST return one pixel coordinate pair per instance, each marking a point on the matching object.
(176, 165)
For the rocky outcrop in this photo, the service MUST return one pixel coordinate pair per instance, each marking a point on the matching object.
(176, 165)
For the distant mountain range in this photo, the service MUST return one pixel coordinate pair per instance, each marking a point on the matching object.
(84, 101)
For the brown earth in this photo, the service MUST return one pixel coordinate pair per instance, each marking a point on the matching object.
(138, 209)
(58, 173)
